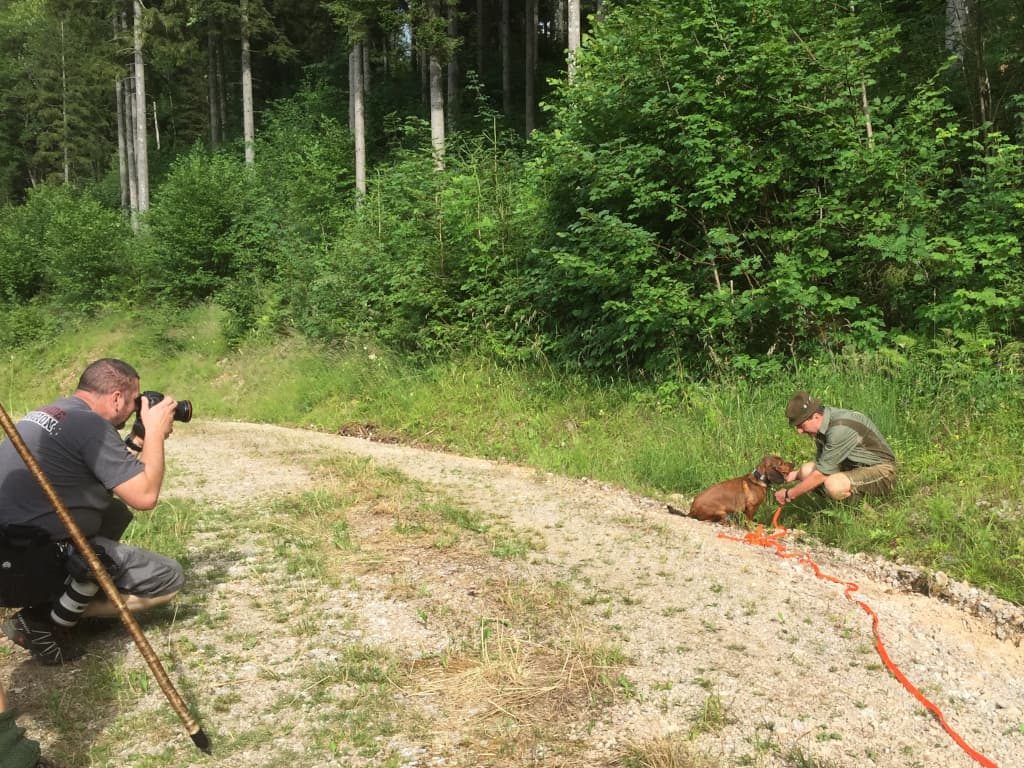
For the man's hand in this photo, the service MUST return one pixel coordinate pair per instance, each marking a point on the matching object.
(158, 419)
(782, 496)
(143, 490)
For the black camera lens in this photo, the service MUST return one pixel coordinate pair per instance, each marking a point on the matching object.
(183, 410)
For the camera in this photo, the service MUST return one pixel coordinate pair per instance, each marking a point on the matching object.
(182, 412)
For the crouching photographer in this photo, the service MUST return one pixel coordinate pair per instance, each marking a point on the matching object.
(98, 476)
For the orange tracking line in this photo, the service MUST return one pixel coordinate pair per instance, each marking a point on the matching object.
(774, 540)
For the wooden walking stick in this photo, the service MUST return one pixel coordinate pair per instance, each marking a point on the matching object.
(199, 738)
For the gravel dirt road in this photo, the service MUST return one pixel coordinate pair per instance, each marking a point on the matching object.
(786, 652)
(790, 659)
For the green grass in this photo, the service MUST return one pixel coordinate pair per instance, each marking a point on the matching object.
(711, 717)
(956, 429)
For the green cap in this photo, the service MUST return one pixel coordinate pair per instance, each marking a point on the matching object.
(801, 407)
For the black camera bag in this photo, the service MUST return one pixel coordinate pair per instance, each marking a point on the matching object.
(32, 566)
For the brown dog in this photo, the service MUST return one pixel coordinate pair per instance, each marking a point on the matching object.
(740, 494)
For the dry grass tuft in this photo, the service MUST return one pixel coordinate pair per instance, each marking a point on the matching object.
(672, 750)
(526, 681)
(519, 698)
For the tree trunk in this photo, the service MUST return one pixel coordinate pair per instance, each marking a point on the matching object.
(248, 126)
(965, 39)
(212, 83)
(127, 88)
(359, 122)
(156, 127)
(436, 113)
(352, 90)
(574, 35)
(866, 109)
(981, 79)
(222, 100)
(421, 64)
(424, 66)
(141, 148)
(558, 22)
(530, 54)
(956, 23)
(865, 103)
(133, 167)
(122, 150)
(506, 61)
(174, 126)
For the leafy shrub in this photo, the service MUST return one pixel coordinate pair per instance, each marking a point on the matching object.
(22, 272)
(295, 199)
(64, 245)
(35, 320)
(187, 253)
(975, 261)
(424, 262)
(715, 196)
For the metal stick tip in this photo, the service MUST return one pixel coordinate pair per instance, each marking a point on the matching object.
(200, 740)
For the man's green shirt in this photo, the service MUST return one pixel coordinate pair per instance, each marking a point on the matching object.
(849, 439)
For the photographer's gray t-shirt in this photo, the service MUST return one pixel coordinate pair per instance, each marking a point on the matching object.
(81, 455)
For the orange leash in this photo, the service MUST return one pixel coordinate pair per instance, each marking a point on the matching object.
(774, 540)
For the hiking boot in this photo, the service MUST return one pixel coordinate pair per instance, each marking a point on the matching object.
(47, 642)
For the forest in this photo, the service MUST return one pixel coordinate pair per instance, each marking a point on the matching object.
(628, 188)
(597, 243)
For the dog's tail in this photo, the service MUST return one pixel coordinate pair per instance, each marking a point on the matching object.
(676, 511)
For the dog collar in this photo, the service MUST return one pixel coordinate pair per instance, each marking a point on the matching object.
(763, 479)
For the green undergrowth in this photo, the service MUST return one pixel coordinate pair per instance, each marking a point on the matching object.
(953, 416)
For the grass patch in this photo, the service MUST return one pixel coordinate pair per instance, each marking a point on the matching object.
(272, 648)
(166, 528)
(711, 717)
(798, 758)
(517, 693)
(672, 750)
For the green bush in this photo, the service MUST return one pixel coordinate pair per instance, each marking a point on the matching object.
(35, 320)
(64, 245)
(976, 260)
(711, 194)
(424, 263)
(22, 272)
(296, 198)
(187, 251)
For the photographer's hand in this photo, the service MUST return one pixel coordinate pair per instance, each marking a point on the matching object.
(158, 419)
(143, 490)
